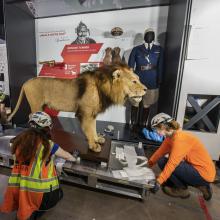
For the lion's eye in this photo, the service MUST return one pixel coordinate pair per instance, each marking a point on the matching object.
(134, 81)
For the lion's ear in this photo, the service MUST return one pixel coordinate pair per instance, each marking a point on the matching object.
(116, 74)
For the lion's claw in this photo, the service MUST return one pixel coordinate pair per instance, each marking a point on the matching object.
(100, 139)
(95, 147)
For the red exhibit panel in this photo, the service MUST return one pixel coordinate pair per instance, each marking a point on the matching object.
(75, 60)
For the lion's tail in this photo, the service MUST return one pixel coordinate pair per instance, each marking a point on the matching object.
(17, 105)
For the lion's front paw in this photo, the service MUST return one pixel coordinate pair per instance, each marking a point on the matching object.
(96, 147)
(100, 139)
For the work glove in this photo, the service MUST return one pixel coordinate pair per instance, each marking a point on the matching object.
(149, 164)
(73, 157)
(152, 135)
(156, 186)
(76, 153)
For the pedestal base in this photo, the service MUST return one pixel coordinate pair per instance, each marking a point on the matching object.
(70, 141)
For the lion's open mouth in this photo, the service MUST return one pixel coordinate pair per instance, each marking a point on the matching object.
(136, 98)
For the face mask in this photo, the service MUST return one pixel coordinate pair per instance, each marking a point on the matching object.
(149, 37)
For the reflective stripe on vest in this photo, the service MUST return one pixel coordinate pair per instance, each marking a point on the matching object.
(34, 182)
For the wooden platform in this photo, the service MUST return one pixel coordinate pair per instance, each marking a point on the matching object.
(67, 132)
(70, 141)
(72, 124)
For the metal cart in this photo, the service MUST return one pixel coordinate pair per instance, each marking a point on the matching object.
(100, 176)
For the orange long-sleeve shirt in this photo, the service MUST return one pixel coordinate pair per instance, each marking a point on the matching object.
(184, 146)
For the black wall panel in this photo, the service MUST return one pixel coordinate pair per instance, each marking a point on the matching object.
(174, 55)
(2, 31)
(21, 49)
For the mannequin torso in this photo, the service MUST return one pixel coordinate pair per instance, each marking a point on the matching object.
(147, 64)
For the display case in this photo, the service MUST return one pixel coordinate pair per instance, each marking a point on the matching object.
(23, 50)
(168, 17)
(25, 53)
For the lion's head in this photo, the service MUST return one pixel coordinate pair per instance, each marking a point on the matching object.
(120, 82)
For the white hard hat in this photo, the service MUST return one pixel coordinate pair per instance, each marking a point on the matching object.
(160, 118)
(40, 119)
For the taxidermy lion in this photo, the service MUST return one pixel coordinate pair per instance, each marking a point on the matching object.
(88, 95)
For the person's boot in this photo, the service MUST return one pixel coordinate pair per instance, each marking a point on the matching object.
(134, 122)
(206, 192)
(33, 216)
(176, 192)
(144, 117)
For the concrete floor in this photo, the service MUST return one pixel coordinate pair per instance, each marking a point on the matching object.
(83, 204)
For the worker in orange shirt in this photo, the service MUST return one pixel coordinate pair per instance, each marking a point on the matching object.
(188, 162)
(33, 185)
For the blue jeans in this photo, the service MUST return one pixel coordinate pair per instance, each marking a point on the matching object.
(184, 175)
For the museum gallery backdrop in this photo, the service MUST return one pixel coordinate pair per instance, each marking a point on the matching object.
(55, 39)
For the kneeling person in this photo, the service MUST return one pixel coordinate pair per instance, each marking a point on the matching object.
(188, 164)
(33, 185)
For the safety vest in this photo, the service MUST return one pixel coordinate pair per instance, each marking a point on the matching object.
(27, 184)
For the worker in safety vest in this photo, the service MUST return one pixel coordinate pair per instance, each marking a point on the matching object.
(188, 162)
(33, 186)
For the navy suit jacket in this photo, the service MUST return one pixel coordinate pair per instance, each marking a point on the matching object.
(141, 56)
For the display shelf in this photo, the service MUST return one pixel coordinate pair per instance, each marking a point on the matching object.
(97, 176)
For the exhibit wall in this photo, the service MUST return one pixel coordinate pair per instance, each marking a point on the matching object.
(55, 38)
(199, 104)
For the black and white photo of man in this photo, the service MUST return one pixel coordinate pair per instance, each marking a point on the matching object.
(82, 35)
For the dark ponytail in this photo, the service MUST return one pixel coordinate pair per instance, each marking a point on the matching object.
(173, 125)
(26, 143)
(169, 125)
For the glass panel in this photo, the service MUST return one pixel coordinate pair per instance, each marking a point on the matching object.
(49, 8)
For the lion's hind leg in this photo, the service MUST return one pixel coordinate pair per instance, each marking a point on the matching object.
(35, 99)
(36, 106)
